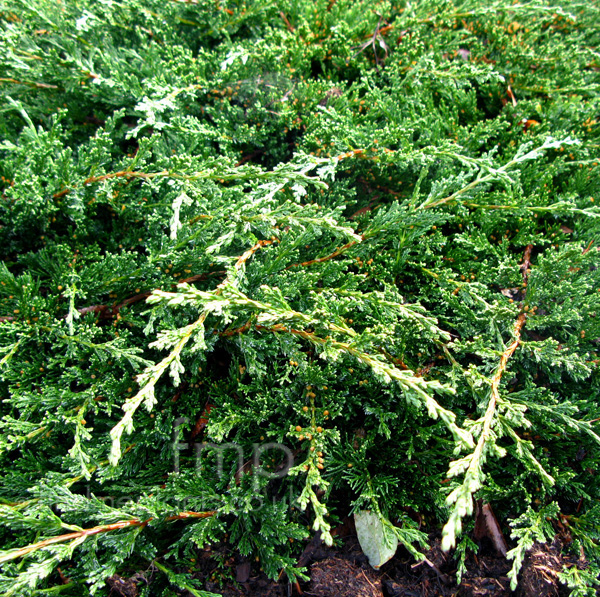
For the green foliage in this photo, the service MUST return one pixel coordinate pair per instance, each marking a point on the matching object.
(532, 526)
(266, 264)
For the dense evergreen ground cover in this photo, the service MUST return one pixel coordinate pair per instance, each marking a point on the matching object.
(357, 239)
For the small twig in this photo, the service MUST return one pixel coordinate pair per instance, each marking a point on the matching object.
(336, 253)
(397, 361)
(188, 514)
(249, 157)
(243, 258)
(28, 83)
(381, 31)
(289, 26)
(108, 312)
(367, 579)
(510, 94)
(121, 174)
(376, 36)
(236, 331)
(202, 421)
(443, 577)
(500, 371)
(524, 267)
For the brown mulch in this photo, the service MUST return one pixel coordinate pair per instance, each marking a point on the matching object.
(344, 571)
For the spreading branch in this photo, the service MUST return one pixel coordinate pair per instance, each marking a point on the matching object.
(472, 465)
(15, 554)
(150, 376)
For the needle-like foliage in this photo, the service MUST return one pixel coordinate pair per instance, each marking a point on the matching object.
(265, 264)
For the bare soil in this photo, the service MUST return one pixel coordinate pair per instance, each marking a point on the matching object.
(343, 571)
(346, 573)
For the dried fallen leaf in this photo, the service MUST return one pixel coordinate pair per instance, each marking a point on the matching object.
(486, 525)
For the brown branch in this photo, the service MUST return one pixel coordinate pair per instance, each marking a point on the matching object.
(121, 174)
(517, 332)
(250, 157)
(279, 327)
(524, 267)
(61, 193)
(124, 174)
(588, 247)
(370, 185)
(505, 356)
(110, 311)
(397, 361)
(443, 577)
(289, 26)
(376, 36)
(379, 31)
(259, 245)
(19, 553)
(236, 331)
(106, 528)
(202, 421)
(180, 391)
(197, 277)
(473, 470)
(29, 83)
(336, 253)
(183, 515)
(127, 174)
